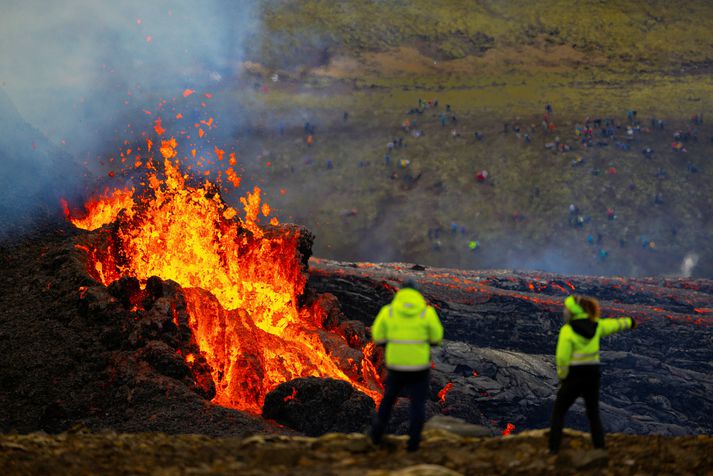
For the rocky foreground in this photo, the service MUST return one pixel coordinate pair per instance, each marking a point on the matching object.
(442, 453)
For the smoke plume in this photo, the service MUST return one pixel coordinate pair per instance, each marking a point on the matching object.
(75, 74)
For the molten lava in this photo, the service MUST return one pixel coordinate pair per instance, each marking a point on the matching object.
(444, 391)
(102, 210)
(241, 281)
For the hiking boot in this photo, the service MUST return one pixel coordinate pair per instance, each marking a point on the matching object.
(375, 436)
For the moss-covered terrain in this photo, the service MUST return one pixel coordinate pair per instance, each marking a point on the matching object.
(497, 65)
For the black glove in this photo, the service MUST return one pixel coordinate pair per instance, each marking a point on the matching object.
(633, 323)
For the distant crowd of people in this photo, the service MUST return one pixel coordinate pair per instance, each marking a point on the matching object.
(583, 136)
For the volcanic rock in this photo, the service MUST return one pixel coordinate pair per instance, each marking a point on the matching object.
(315, 406)
(456, 425)
(500, 334)
(74, 354)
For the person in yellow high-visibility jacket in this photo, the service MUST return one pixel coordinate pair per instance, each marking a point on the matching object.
(408, 327)
(577, 360)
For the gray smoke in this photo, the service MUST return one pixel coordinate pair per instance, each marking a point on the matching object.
(76, 75)
(71, 65)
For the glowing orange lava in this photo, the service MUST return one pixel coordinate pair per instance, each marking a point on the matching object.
(102, 210)
(444, 391)
(508, 429)
(241, 282)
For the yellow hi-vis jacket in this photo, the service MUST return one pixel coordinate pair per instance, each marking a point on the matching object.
(575, 349)
(408, 327)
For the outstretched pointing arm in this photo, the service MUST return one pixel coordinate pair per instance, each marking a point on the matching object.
(612, 326)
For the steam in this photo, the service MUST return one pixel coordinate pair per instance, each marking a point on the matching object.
(689, 262)
(81, 72)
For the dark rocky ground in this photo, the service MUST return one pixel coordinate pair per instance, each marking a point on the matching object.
(502, 325)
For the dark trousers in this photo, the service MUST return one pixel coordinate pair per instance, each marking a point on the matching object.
(582, 381)
(415, 385)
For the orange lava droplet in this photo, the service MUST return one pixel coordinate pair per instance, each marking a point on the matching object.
(179, 116)
(229, 213)
(232, 160)
(508, 429)
(265, 209)
(201, 133)
(157, 127)
(208, 95)
(219, 153)
(444, 391)
(65, 207)
(168, 148)
(149, 144)
(251, 205)
(193, 153)
(190, 358)
(188, 92)
(291, 397)
(233, 177)
(274, 221)
(282, 191)
(147, 112)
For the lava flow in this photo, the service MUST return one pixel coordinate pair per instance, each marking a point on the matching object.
(248, 324)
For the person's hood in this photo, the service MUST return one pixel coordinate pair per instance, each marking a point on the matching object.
(408, 302)
(584, 327)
